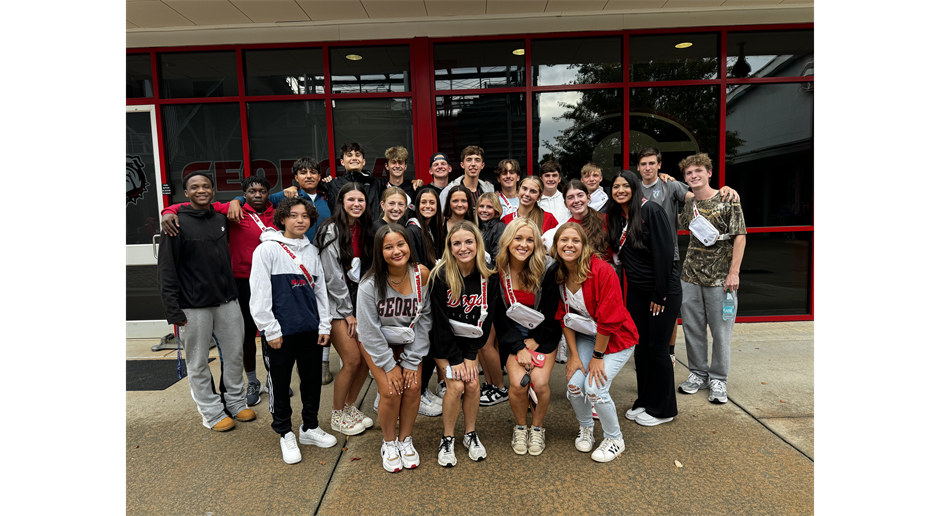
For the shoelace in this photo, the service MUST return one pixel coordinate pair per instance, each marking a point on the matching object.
(447, 443)
(584, 432)
(538, 437)
(408, 448)
(290, 442)
(391, 453)
(474, 440)
(695, 379)
(716, 385)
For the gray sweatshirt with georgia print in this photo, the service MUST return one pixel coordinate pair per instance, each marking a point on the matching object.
(393, 309)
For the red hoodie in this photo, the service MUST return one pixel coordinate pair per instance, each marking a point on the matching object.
(243, 236)
(604, 301)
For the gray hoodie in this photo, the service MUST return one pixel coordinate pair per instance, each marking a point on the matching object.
(340, 302)
(392, 310)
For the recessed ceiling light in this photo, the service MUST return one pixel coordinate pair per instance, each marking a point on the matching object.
(354, 57)
(684, 45)
(519, 52)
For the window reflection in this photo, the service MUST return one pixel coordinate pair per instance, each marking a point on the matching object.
(770, 54)
(576, 61)
(494, 122)
(376, 124)
(577, 127)
(656, 58)
(139, 76)
(370, 69)
(284, 72)
(198, 74)
(281, 132)
(478, 65)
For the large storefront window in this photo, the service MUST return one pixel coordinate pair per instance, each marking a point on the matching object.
(674, 57)
(142, 184)
(376, 124)
(770, 54)
(198, 74)
(139, 76)
(576, 61)
(295, 71)
(380, 69)
(281, 132)
(479, 65)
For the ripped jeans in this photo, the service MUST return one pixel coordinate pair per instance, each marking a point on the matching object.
(603, 404)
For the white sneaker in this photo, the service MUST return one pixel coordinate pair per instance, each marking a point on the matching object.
(536, 441)
(391, 460)
(375, 406)
(341, 422)
(409, 456)
(718, 391)
(316, 437)
(585, 440)
(608, 450)
(632, 413)
(441, 389)
(428, 408)
(520, 436)
(472, 443)
(435, 399)
(358, 416)
(647, 420)
(446, 456)
(289, 449)
(594, 413)
(562, 356)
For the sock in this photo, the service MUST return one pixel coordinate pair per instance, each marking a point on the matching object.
(520, 427)
(536, 428)
(251, 376)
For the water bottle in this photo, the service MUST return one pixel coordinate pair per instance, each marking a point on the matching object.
(727, 306)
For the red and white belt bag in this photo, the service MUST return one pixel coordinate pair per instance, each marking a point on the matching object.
(577, 322)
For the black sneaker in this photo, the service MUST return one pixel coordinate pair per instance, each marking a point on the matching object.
(494, 396)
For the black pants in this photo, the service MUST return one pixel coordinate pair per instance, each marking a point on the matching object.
(301, 348)
(654, 372)
(244, 297)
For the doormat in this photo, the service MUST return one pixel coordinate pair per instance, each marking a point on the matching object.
(152, 375)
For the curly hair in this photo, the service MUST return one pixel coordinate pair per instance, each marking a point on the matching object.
(283, 211)
(701, 159)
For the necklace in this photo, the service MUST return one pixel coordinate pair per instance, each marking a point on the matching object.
(399, 281)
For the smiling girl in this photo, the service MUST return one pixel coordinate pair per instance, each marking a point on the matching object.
(456, 209)
(394, 206)
(577, 201)
(530, 191)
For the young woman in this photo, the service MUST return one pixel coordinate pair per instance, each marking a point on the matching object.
(422, 229)
(291, 307)
(456, 209)
(345, 241)
(653, 298)
(395, 315)
(463, 294)
(600, 336)
(594, 223)
(493, 391)
(394, 205)
(526, 327)
(508, 174)
(530, 191)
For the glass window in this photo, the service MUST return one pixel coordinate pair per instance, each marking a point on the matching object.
(144, 301)
(198, 74)
(296, 71)
(494, 122)
(674, 57)
(281, 132)
(370, 69)
(771, 161)
(679, 121)
(770, 54)
(142, 214)
(205, 138)
(376, 124)
(577, 127)
(139, 76)
(576, 61)
(775, 273)
(479, 65)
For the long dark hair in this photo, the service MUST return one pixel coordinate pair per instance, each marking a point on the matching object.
(340, 221)
(429, 226)
(592, 223)
(379, 267)
(615, 215)
(442, 231)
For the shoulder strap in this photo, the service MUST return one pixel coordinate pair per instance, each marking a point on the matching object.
(299, 263)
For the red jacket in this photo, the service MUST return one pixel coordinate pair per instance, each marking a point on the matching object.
(243, 237)
(604, 301)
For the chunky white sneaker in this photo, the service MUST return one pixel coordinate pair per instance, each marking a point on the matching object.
(647, 420)
(472, 443)
(608, 450)
(562, 356)
(536, 441)
(435, 399)
(358, 416)
(585, 440)
(316, 437)
(692, 385)
(428, 408)
(391, 460)
(409, 456)
(441, 389)
(445, 455)
(520, 437)
(289, 449)
(341, 422)
(632, 413)
(718, 392)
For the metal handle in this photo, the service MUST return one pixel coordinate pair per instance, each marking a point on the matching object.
(155, 246)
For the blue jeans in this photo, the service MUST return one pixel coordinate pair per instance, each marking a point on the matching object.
(581, 395)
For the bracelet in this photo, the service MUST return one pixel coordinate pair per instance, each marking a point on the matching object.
(599, 354)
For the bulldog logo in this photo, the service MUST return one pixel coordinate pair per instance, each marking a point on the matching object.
(136, 185)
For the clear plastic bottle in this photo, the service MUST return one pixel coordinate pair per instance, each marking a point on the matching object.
(727, 306)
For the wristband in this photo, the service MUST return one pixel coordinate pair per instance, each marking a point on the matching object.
(599, 354)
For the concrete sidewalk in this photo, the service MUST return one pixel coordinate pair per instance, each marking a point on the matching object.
(753, 455)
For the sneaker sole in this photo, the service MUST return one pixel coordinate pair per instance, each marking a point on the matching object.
(590, 448)
(346, 432)
(250, 404)
(318, 444)
(654, 423)
(396, 470)
(424, 413)
(718, 401)
(632, 417)
(683, 391)
(294, 462)
(537, 453)
(447, 464)
(604, 460)
(520, 452)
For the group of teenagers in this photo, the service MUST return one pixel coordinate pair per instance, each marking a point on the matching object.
(405, 279)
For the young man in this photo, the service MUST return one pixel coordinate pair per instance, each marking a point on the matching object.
(552, 200)
(290, 305)
(440, 171)
(591, 176)
(353, 161)
(243, 236)
(201, 298)
(471, 161)
(396, 164)
(508, 175)
(709, 275)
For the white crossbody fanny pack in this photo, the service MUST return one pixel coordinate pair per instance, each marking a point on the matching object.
(704, 230)
(406, 335)
(472, 331)
(519, 312)
(577, 322)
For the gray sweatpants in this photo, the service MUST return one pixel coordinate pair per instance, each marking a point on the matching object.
(701, 307)
(196, 337)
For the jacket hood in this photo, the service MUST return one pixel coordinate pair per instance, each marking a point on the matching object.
(273, 235)
(193, 212)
